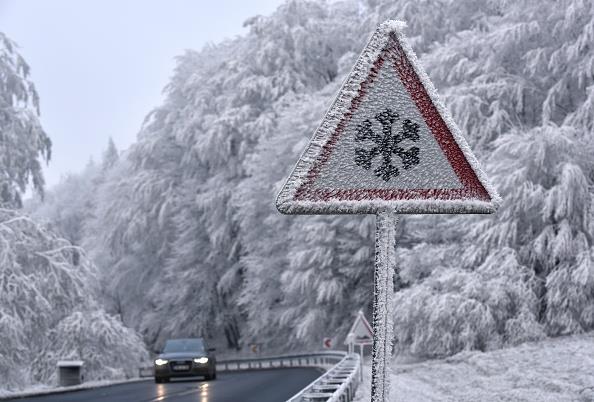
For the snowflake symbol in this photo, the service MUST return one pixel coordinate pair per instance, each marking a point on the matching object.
(387, 144)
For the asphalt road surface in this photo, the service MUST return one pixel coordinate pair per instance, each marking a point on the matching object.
(248, 386)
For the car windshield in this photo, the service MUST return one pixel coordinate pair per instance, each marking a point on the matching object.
(184, 345)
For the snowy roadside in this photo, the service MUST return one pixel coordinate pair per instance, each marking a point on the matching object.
(554, 370)
(46, 390)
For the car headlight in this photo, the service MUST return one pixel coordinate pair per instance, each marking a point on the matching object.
(201, 360)
(160, 362)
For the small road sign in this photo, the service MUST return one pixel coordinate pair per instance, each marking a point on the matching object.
(387, 145)
(361, 332)
(327, 343)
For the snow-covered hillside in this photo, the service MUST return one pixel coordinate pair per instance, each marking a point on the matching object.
(554, 370)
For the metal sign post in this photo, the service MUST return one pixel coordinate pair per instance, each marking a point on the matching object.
(386, 146)
(383, 292)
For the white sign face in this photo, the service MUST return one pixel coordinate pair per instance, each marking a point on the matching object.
(387, 143)
(361, 332)
(413, 158)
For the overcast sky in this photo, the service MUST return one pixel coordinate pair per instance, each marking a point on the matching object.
(100, 65)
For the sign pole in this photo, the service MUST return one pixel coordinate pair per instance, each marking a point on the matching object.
(377, 151)
(383, 284)
(361, 362)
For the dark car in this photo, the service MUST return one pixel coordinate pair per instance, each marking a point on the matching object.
(185, 358)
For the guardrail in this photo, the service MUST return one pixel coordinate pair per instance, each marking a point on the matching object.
(318, 359)
(337, 384)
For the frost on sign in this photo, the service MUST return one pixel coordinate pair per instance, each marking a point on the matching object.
(387, 143)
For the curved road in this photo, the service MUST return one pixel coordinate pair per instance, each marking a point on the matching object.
(275, 385)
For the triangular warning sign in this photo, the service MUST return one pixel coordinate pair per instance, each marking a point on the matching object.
(387, 143)
(361, 332)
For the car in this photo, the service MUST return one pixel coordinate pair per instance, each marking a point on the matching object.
(187, 357)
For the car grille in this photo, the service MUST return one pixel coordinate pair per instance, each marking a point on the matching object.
(174, 365)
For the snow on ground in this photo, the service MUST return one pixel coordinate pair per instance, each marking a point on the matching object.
(36, 390)
(555, 370)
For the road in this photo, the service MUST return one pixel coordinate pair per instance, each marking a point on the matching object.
(275, 385)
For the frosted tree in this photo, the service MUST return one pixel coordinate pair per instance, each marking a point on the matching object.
(546, 219)
(46, 290)
(110, 155)
(309, 271)
(190, 159)
(109, 349)
(23, 143)
(528, 115)
(67, 206)
(49, 310)
(128, 238)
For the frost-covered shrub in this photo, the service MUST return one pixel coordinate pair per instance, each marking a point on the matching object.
(545, 217)
(457, 309)
(570, 297)
(49, 309)
(109, 350)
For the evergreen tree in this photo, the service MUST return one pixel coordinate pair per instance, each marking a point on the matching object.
(110, 155)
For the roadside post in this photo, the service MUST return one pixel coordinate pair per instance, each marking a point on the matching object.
(70, 372)
(387, 146)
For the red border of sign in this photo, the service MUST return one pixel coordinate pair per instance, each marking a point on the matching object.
(472, 187)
